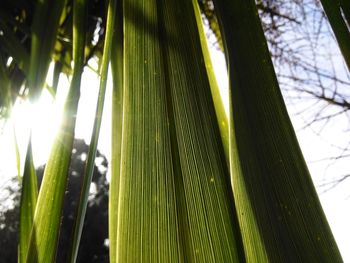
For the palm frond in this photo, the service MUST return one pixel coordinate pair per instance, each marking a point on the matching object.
(280, 216)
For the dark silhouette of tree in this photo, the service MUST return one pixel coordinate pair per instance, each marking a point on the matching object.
(94, 242)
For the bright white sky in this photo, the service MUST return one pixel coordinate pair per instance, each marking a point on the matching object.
(336, 202)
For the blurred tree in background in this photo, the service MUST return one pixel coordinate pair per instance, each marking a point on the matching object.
(96, 222)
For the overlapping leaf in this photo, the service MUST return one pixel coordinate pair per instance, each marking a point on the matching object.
(44, 236)
(221, 115)
(80, 7)
(44, 35)
(175, 201)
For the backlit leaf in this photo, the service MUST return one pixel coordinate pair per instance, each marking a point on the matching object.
(44, 237)
(29, 195)
(175, 201)
(281, 219)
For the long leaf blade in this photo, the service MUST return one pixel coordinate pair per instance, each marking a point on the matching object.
(279, 212)
(29, 195)
(175, 202)
(43, 39)
(44, 237)
(221, 115)
(90, 164)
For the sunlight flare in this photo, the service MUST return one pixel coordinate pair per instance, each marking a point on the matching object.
(42, 119)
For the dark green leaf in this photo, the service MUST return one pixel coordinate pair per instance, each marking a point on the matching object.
(341, 29)
(280, 216)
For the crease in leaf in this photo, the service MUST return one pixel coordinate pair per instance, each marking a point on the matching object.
(175, 201)
(221, 115)
(117, 116)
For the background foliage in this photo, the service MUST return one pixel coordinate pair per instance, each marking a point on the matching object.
(96, 219)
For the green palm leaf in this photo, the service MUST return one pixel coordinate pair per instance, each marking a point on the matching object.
(280, 216)
(89, 168)
(221, 115)
(29, 196)
(175, 202)
(44, 33)
(44, 237)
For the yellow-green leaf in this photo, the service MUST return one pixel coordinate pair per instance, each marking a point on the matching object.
(29, 194)
(117, 115)
(175, 202)
(221, 115)
(44, 237)
(90, 164)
